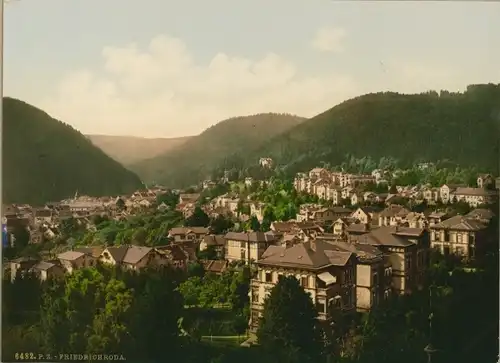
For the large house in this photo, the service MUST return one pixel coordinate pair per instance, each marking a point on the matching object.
(473, 196)
(373, 274)
(325, 272)
(132, 257)
(73, 260)
(459, 235)
(187, 234)
(247, 246)
(407, 250)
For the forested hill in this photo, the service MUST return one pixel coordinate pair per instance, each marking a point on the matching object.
(461, 127)
(194, 160)
(47, 160)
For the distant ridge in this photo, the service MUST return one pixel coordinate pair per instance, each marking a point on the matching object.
(196, 158)
(131, 149)
(47, 160)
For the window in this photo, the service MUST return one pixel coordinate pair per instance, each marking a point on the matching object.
(459, 237)
(303, 281)
(320, 307)
(255, 317)
(268, 277)
(255, 295)
(459, 250)
(242, 254)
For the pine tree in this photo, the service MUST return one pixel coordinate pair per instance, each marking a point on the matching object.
(289, 328)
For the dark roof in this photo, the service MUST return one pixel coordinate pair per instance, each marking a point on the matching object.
(118, 253)
(369, 209)
(283, 226)
(363, 252)
(313, 254)
(175, 252)
(383, 236)
(357, 228)
(135, 253)
(186, 230)
(214, 240)
(250, 236)
(339, 210)
(394, 210)
(460, 223)
(91, 251)
(481, 213)
(214, 266)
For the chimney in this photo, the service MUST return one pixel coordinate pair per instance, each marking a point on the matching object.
(312, 244)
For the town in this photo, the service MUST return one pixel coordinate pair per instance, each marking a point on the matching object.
(352, 241)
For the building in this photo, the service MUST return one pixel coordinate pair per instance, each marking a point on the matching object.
(393, 215)
(132, 257)
(473, 196)
(407, 251)
(266, 163)
(215, 241)
(187, 234)
(45, 270)
(485, 180)
(73, 260)
(247, 246)
(459, 235)
(324, 272)
(373, 274)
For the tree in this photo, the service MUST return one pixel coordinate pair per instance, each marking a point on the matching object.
(254, 224)
(170, 198)
(152, 294)
(240, 285)
(220, 224)
(195, 269)
(140, 236)
(120, 204)
(392, 189)
(293, 336)
(198, 219)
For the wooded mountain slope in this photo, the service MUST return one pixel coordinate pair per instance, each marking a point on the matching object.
(130, 149)
(461, 127)
(47, 160)
(197, 158)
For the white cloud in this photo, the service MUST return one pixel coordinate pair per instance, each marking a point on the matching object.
(328, 39)
(163, 91)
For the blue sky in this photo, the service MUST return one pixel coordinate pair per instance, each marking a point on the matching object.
(161, 68)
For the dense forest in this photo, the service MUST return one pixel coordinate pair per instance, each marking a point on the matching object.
(195, 159)
(461, 128)
(46, 160)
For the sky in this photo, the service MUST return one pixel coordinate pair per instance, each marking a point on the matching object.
(165, 68)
